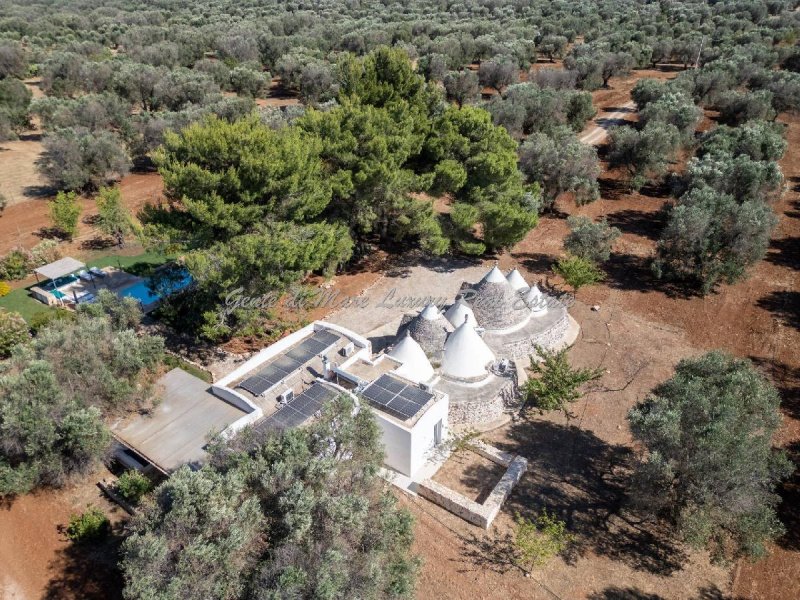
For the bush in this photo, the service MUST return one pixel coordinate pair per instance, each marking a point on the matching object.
(590, 240)
(558, 383)
(42, 319)
(15, 264)
(132, 485)
(13, 331)
(5, 289)
(64, 212)
(539, 539)
(93, 524)
(578, 272)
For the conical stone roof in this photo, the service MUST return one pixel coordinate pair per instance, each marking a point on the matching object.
(459, 311)
(466, 356)
(429, 328)
(415, 365)
(495, 303)
(517, 281)
(535, 300)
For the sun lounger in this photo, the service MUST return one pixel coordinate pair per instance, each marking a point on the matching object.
(86, 298)
(85, 275)
(97, 271)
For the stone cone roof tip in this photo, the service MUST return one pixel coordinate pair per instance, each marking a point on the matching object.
(459, 311)
(429, 328)
(495, 275)
(430, 312)
(535, 299)
(517, 281)
(466, 355)
(496, 304)
(415, 365)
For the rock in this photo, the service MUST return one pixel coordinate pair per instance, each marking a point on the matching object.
(596, 308)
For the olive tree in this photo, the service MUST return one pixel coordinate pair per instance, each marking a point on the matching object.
(707, 462)
(590, 240)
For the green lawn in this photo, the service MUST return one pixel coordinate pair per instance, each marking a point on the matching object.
(142, 265)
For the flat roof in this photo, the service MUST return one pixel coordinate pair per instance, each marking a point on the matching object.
(59, 268)
(179, 428)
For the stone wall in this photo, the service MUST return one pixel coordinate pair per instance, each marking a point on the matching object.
(481, 515)
(549, 338)
(479, 409)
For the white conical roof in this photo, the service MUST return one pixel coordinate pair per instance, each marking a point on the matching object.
(535, 299)
(430, 312)
(415, 365)
(495, 275)
(517, 281)
(460, 311)
(466, 355)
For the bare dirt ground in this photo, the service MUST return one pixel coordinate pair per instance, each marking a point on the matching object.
(28, 222)
(39, 562)
(578, 468)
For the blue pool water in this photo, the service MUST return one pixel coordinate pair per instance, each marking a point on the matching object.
(58, 294)
(144, 294)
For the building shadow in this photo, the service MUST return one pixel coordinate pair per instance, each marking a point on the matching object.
(584, 481)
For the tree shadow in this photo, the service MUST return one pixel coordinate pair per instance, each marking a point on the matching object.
(784, 305)
(97, 243)
(38, 191)
(50, 233)
(710, 592)
(638, 222)
(627, 593)
(489, 552)
(583, 480)
(87, 571)
(785, 252)
(633, 273)
(613, 188)
(787, 379)
(535, 262)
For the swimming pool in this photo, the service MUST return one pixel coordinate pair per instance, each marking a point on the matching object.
(144, 293)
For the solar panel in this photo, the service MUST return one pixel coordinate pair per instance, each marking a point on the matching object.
(300, 409)
(325, 337)
(396, 397)
(256, 385)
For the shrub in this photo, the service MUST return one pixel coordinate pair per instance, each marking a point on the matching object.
(42, 319)
(578, 272)
(15, 264)
(64, 212)
(13, 331)
(44, 252)
(539, 539)
(92, 524)
(590, 240)
(3, 203)
(132, 485)
(558, 383)
(5, 289)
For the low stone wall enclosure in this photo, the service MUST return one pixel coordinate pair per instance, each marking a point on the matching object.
(481, 515)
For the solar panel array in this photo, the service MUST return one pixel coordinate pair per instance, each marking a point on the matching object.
(398, 398)
(286, 364)
(300, 409)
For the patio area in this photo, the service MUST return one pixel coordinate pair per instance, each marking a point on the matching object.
(67, 282)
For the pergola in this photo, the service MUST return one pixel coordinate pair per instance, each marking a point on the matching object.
(59, 268)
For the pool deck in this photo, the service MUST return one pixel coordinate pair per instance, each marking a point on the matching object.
(115, 280)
